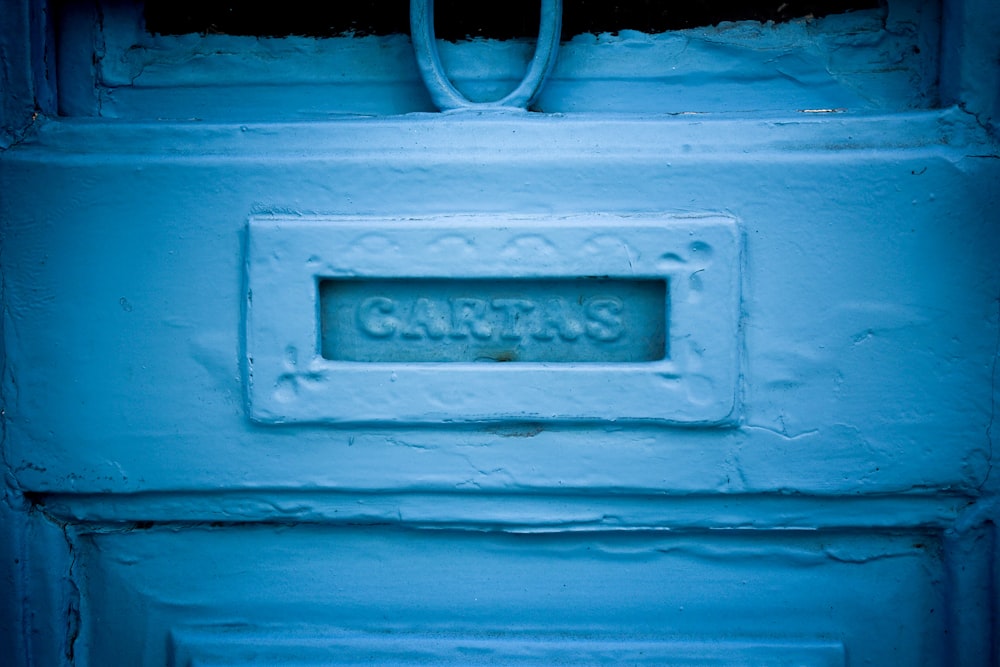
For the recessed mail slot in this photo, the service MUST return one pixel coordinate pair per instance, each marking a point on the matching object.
(601, 317)
(568, 320)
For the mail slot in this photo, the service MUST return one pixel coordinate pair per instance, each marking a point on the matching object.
(582, 319)
(388, 319)
(582, 333)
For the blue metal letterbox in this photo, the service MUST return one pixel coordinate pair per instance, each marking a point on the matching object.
(614, 345)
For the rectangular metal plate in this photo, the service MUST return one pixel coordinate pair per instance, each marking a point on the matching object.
(388, 320)
(487, 320)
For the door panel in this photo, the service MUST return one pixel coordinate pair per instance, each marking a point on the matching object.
(899, 276)
(347, 594)
(693, 364)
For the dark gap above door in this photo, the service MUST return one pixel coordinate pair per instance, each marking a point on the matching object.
(457, 20)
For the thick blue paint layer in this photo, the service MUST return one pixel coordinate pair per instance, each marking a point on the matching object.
(832, 504)
(869, 298)
(870, 60)
(379, 584)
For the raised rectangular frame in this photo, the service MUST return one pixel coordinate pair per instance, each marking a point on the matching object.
(289, 381)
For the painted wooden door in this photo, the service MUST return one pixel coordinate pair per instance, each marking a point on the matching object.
(693, 363)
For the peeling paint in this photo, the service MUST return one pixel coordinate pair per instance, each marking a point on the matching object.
(830, 497)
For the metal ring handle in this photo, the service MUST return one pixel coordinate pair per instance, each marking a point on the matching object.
(446, 97)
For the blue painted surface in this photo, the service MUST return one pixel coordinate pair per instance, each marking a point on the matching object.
(861, 61)
(693, 381)
(833, 503)
(444, 94)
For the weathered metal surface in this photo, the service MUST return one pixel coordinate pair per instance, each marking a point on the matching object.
(446, 97)
(616, 377)
(817, 484)
(493, 320)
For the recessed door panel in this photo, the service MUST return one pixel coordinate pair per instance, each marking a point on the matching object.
(681, 351)
(351, 595)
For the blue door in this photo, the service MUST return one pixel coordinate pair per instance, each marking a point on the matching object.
(597, 342)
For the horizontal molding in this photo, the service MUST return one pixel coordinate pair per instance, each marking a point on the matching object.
(513, 512)
(226, 645)
(516, 136)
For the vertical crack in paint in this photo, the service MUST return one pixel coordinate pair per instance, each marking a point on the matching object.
(993, 405)
(7, 396)
(73, 598)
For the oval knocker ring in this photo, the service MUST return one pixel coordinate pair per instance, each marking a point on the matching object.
(446, 97)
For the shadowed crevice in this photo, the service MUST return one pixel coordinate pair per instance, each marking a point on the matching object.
(457, 20)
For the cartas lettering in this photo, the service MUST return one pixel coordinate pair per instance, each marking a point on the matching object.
(507, 320)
